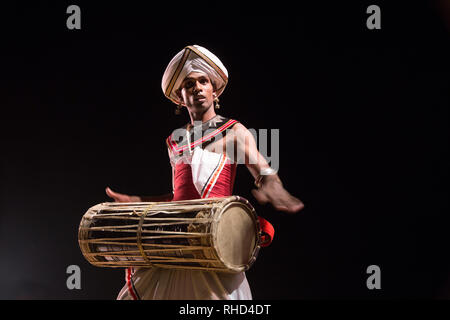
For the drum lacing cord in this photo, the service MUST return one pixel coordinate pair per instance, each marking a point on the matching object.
(139, 234)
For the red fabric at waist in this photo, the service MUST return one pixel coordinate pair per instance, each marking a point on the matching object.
(184, 188)
(267, 232)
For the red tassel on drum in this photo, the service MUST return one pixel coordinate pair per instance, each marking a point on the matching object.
(267, 232)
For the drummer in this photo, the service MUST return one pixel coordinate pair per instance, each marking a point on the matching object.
(204, 167)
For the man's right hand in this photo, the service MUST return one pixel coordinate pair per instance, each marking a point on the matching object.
(119, 197)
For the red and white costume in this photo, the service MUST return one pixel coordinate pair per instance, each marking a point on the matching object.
(197, 173)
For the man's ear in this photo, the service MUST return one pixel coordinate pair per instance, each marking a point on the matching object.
(178, 93)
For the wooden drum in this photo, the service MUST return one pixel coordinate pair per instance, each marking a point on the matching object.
(213, 234)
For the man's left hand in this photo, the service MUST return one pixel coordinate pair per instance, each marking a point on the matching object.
(273, 191)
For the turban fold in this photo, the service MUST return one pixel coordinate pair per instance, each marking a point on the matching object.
(193, 59)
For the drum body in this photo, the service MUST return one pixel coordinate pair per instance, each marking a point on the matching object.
(213, 234)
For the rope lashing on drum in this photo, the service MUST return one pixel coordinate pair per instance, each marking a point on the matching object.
(139, 233)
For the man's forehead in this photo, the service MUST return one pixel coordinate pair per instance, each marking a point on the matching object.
(196, 75)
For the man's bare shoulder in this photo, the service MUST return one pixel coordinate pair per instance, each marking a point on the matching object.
(239, 128)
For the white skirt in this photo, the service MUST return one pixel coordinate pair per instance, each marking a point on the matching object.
(170, 284)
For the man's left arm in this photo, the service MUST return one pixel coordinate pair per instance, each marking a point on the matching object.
(270, 188)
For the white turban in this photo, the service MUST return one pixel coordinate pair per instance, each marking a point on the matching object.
(193, 59)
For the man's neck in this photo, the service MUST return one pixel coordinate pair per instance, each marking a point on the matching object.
(203, 117)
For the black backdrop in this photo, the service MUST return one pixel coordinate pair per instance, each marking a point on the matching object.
(362, 114)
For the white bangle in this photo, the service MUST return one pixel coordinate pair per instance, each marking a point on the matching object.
(267, 171)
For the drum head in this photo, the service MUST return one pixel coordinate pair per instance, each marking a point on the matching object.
(236, 237)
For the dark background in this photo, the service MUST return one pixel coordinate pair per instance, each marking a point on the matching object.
(363, 119)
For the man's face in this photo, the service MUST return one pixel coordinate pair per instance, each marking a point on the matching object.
(197, 92)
